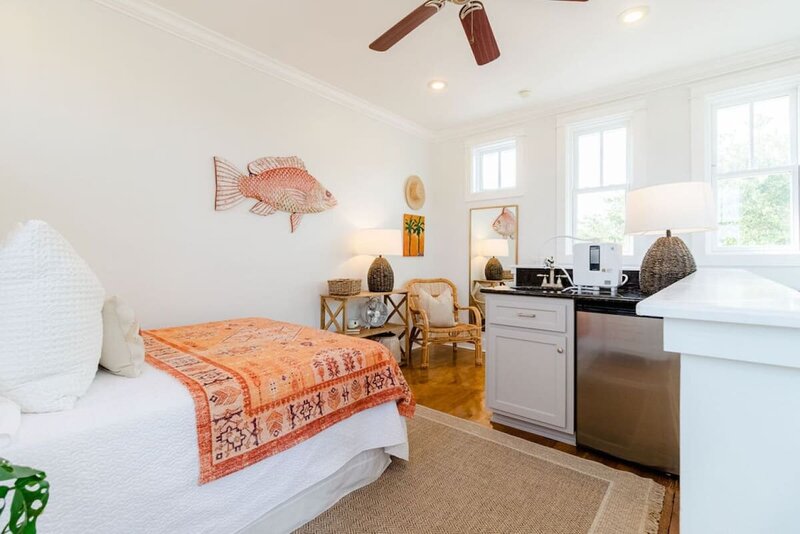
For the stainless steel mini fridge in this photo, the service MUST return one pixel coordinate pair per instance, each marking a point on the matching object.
(628, 387)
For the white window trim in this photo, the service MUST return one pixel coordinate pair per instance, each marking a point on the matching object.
(487, 141)
(730, 91)
(631, 114)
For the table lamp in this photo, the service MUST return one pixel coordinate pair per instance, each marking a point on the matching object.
(494, 248)
(683, 207)
(380, 242)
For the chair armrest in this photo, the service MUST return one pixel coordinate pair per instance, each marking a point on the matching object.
(474, 313)
(420, 319)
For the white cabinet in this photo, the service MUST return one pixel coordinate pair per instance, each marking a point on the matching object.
(530, 364)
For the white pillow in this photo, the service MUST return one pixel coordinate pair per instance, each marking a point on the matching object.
(123, 347)
(439, 309)
(51, 328)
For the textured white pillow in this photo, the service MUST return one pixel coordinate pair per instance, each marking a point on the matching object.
(51, 327)
(439, 309)
(123, 347)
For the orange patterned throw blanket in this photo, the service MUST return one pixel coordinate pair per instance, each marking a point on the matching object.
(261, 386)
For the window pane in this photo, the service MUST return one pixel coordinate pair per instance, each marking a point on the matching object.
(600, 216)
(755, 211)
(771, 133)
(589, 160)
(615, 156)
(489, 171)
(508, 168)
(733, 138)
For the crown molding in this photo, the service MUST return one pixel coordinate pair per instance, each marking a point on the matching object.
(179, 26)
(692, 74)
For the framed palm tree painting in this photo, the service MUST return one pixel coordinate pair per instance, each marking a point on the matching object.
(413, 235)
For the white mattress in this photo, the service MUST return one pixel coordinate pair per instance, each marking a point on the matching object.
(125, 459)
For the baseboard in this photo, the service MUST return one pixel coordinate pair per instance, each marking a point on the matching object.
(532, 428)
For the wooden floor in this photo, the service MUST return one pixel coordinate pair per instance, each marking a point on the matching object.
(454, 384)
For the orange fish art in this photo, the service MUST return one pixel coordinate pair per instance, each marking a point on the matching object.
(277, 184)
(505, 224)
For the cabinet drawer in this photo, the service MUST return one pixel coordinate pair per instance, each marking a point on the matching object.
(535, 313)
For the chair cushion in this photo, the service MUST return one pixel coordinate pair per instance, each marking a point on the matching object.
(439, 309)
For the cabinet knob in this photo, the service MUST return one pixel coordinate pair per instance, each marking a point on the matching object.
(527, 315)
(560, 350)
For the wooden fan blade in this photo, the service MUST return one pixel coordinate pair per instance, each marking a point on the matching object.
(407, 25)
(479, 32)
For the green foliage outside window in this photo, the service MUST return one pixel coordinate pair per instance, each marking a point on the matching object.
(765, 212)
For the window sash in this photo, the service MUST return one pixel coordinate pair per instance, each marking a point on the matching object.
(573, 189)
(750, 98)
(479, 153)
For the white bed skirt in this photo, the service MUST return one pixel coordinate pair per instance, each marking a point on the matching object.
(362, 470)
(125, 459)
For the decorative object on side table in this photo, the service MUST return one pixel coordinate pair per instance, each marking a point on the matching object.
(683, 207)
(25, 492)
(344, 286)
(494, 248)
(334, 315)
(375, 313)
(413, 235)
(276, 183)
(415, 192)
(380, 243)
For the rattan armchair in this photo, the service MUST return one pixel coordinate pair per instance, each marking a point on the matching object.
(426, 335)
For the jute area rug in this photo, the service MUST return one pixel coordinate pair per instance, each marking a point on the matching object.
(465, 478)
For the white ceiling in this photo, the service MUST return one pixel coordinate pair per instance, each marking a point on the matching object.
(557, 50)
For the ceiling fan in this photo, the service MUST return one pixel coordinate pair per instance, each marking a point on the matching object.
(473, 19)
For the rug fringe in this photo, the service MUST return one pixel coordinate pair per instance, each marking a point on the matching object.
(655, 504)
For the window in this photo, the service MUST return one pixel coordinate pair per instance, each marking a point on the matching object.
(494, 167)
(598, 174)
(753, 169)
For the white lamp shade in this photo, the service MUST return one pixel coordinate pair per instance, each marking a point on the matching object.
(494, 247)
(681, 207)
(379, 242)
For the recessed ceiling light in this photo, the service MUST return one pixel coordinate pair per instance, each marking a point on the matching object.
(437, 85)
(633, 15)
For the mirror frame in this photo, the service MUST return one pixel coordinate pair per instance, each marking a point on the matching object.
(469, 253)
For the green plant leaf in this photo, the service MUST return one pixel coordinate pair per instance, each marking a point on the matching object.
(31, 491)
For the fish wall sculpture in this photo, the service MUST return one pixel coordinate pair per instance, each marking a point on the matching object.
(276, 184)
(505, 224)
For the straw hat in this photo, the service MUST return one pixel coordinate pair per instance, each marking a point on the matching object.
(415, 192)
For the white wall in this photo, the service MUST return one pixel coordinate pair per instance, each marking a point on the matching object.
(667, 138)
(108, 127)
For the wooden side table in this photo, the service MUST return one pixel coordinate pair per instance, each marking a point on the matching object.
(333, 317)
(475, 292)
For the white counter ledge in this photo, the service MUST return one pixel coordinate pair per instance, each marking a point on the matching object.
(739, 339)
(726, 295)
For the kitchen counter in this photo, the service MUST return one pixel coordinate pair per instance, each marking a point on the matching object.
(738, 335)
(626, 298)
(728, 296)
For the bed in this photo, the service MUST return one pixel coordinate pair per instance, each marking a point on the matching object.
(127, 458)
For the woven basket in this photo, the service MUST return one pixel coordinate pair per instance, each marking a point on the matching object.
(344, 287)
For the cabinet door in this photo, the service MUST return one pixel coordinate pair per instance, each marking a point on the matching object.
(526, 375)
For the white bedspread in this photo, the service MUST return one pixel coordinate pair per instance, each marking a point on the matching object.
(125, 459)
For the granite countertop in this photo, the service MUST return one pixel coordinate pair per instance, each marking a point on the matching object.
(625, 295)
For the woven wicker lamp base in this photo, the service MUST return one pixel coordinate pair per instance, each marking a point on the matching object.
(667, 261)
(380, 277)
(494, 269)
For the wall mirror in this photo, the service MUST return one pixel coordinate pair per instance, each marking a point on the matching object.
(493, 233)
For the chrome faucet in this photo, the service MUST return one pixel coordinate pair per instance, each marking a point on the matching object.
(551, 281)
